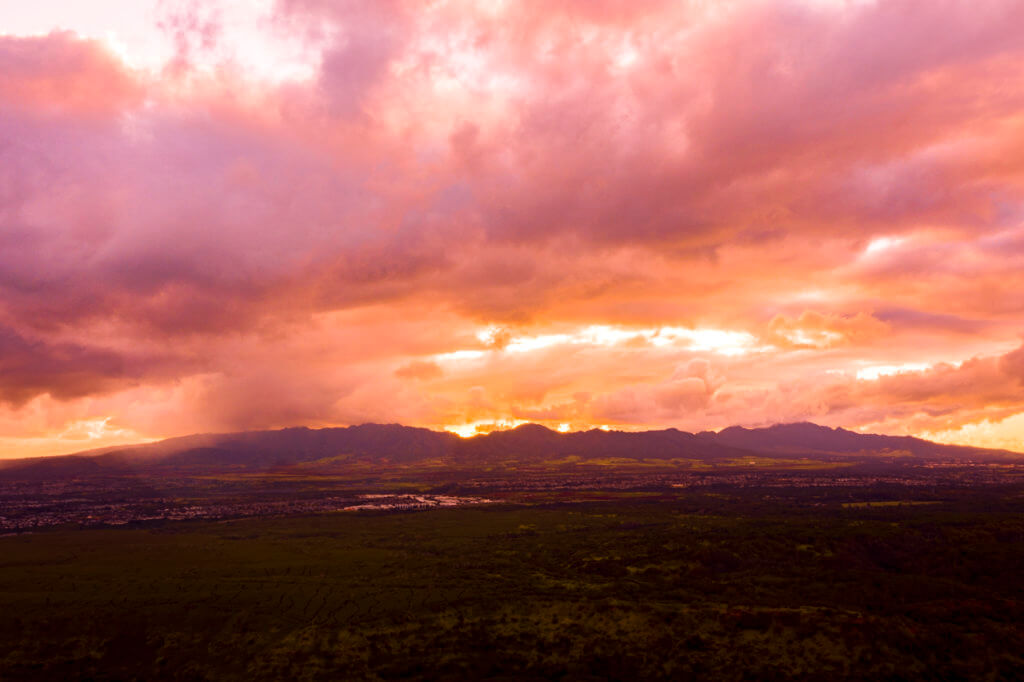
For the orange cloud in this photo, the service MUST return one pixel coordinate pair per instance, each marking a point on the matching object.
(814, 330)
(751, 202)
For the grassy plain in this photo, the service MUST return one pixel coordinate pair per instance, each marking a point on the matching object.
(738, 584)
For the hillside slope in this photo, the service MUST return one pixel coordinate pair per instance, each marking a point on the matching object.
(394, 444)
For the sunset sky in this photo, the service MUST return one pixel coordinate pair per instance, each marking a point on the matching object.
(230, 214)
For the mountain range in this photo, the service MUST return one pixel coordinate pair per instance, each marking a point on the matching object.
(395, 445)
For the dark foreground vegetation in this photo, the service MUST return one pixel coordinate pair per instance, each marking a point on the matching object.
(722, 583)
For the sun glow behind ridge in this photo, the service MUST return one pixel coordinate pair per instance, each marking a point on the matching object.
(719, 341)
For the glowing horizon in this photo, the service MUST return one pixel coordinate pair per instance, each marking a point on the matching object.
(244, 214)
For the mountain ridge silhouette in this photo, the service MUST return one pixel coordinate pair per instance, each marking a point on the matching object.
(398, 445)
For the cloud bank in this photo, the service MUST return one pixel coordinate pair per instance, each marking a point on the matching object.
(466, 213)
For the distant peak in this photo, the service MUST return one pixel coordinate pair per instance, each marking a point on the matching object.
(800, 426)
(532, 428)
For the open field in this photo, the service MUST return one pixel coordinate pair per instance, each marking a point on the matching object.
(142, 497)
(730, 583)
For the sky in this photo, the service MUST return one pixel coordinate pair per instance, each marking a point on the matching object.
(228, 215)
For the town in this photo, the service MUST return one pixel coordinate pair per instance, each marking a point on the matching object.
(141, 499)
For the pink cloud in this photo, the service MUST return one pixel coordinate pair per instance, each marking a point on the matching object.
(831, 180)
(62, 75)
